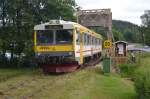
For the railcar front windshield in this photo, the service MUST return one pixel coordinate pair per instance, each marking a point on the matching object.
(45, 37)
(64, 36)
(54, 37)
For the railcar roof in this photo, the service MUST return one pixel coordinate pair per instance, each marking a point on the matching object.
(66, 25)
(88, 30)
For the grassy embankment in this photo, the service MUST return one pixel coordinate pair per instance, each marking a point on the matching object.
(130, 69)
(139, 72)
(7, 73)
(142, 78)
(88, 83)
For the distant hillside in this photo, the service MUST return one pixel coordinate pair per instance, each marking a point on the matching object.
(127, 31)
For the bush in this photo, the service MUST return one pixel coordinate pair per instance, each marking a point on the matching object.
(127, 70)
(145, 55)
(142, 83)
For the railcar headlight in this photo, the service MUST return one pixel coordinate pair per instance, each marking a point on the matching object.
(38, 54)
(70, 53)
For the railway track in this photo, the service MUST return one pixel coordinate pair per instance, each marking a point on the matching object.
(92, 63)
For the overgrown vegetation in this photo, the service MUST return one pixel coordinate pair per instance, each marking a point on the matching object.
(142, 84)
(142, 78)
(140, 73)
(127, 70)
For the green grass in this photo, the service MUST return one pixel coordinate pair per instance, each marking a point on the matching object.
(129, 69)
(142, 77)
(91, 84)
(143, 61)
(87, 83)
(7, 73)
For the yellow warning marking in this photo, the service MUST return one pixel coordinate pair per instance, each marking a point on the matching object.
(107, 44)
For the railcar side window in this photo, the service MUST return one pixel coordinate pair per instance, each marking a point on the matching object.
(85, 39)
(92, 41)
(64, 36)
(97, 41)
(88, 39)
(100, 42)
(78, 37)
(44, 37)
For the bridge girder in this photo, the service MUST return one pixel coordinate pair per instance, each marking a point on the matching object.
(97, 18)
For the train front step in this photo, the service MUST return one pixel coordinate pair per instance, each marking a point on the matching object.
(60, 68)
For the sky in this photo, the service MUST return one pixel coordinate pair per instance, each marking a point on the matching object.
(126, 10)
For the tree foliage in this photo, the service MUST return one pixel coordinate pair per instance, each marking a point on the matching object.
(18, 17)
(118, 36)
(128, 31)
(146, 18)
(145, 28)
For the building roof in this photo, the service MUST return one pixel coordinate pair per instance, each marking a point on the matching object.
(120, 42)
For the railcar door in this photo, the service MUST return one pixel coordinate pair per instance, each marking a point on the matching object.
(79, 47)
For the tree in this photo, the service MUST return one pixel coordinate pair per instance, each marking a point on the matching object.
(118, 36)
(18, 18)
(129, 30)
(145, 28)
(146, 18)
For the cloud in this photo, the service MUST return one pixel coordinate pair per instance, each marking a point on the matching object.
(128, 10)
